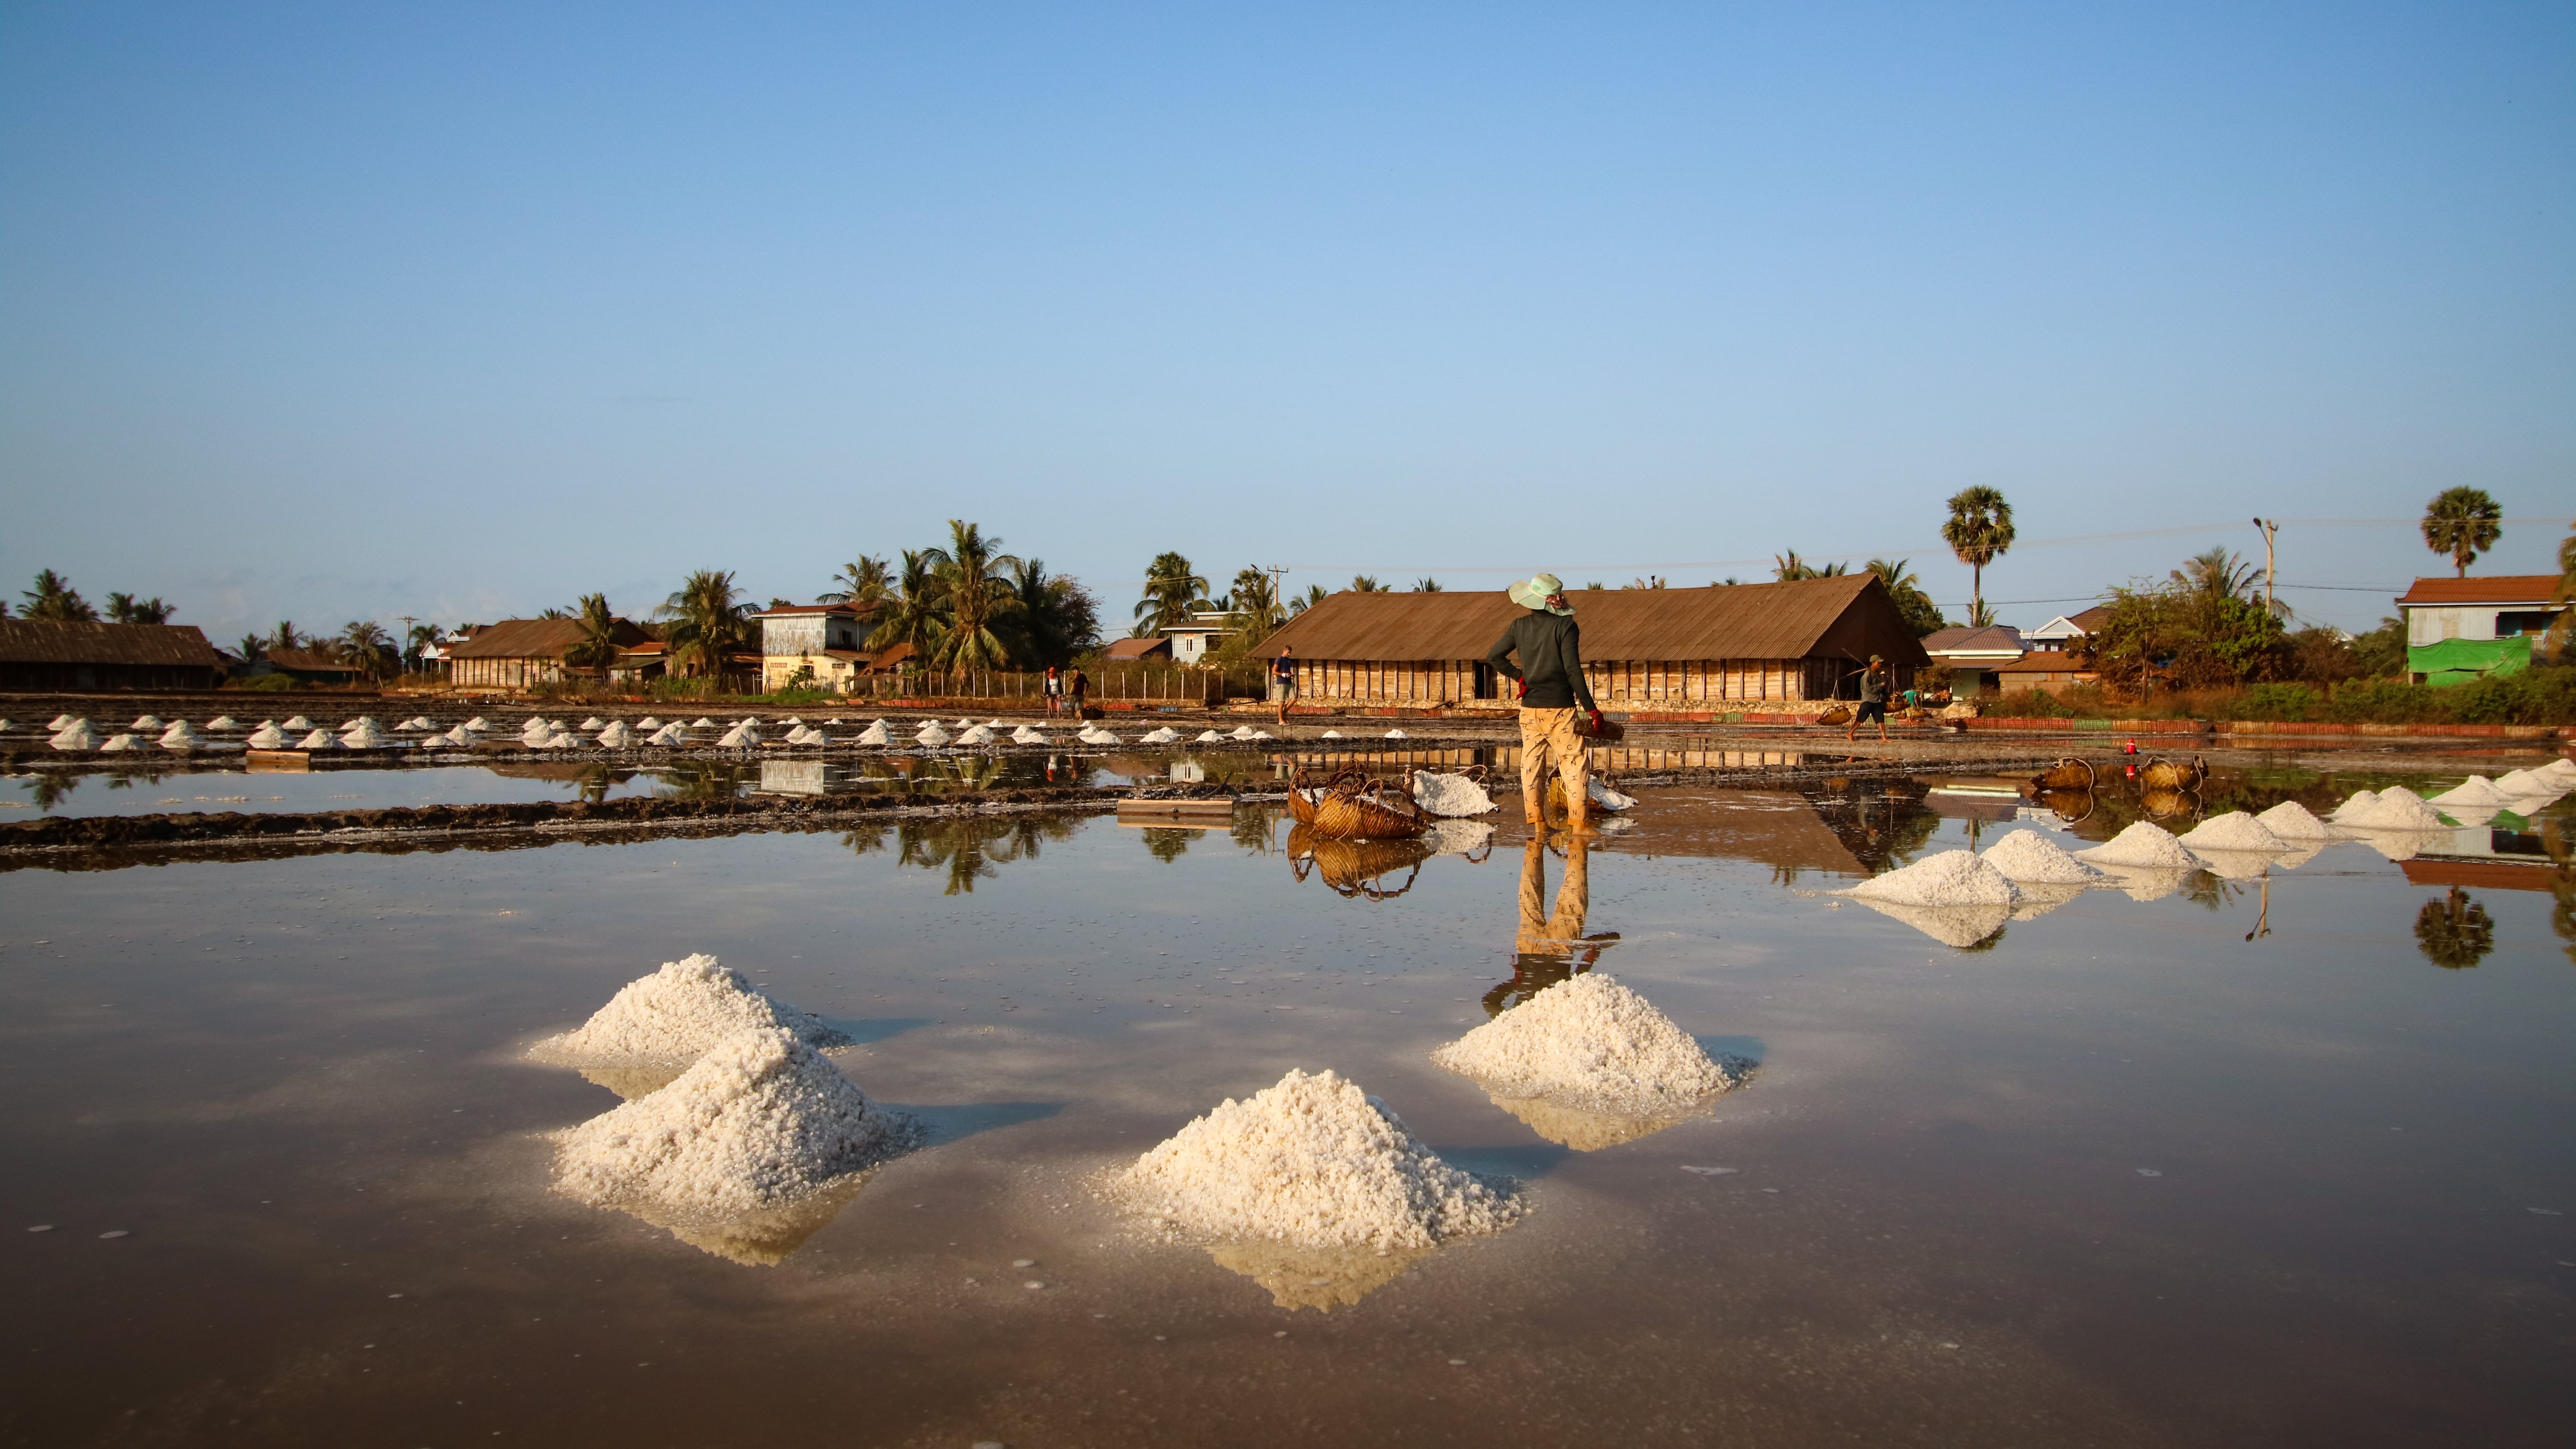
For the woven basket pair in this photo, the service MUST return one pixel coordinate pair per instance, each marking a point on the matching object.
(1355, 805)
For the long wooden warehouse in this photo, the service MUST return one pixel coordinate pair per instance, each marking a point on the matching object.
(1643, 649)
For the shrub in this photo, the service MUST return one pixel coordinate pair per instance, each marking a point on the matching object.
(2274, 702)
(2385, 701)
(2032, 704)
(270, 683)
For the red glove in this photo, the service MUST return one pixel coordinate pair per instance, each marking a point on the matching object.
(1596, 721)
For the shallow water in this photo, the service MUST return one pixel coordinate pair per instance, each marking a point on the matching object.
(295, 1084)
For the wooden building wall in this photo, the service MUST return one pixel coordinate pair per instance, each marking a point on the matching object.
(503, 673)
(1452, 681)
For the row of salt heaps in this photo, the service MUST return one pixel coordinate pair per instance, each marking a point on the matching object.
(739, 1136)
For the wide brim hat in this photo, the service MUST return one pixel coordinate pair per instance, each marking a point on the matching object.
(1532, 592)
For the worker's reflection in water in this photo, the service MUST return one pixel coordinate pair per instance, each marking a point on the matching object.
(1551, 945)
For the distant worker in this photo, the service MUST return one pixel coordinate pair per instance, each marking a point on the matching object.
(1054, 689)
(1873, 698)
(1077, 685)
(1283, 679)
(1550, 672)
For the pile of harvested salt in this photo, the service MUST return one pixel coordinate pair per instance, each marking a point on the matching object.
(2476, 792)
(1397, 735)
(1097, 736)
(1443, 794)
(2352, 809)
(616, 736)
(267, 737)
(1208, 737)
(2145, 845)
(648, 724)
(932, 735)
(703, 723)
(1951, 878)
(1592, 1043)
(2290, 821)
(592, 723)
(875, 734)
(740, 737)
(1026, 735)
(77, 736)
(2234, 830)
(669, 734)
(123, 742)
(1314, 1161)
(59, 723)
(180, 737)
(296, 722)
(1245, 732)
(760, 1119)
(1330, 735)
(478, 724)
(2561, 773)
(318, 740)
(222, 722)
(2397, 808)
(2027, 857)
(979, 735)
(147, 722)
(1163, 736)
(364, 735)
(675, 1014)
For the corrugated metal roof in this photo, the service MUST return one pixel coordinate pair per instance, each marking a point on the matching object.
(1137, 648)
(536, 639)
(1993, 639)
(1848, 616)
(42, 641)
(2494, 589)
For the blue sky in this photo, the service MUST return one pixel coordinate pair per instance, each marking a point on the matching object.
(456, 310)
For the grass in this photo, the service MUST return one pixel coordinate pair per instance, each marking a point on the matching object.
(2544, 696)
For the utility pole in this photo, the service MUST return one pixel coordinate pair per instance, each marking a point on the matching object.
(402, 646)
(2270, 527)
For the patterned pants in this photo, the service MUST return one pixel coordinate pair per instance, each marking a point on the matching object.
(1548, 735)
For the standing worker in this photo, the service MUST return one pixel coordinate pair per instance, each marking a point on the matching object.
(1054, 690)
(1283, 679)
(1077, 686)
(1550, 672)
(1873, 698)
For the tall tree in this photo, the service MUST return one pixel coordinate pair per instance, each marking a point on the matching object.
(416, 642)
(709, 620)
(913, 617)
(2553, 644)
(286, 637)
(1788, 568)
(1368, 584)
(1315, 594)
(365, 645)
(1979, 530)
(1916, 607)
(973, 577)
(127, 609)
(1256, 602)
(1053, 617)
(864, 581)
(597, 647)
(55, 599)
(1172, 590)
(252, 648)
(1427, 586)
(2462, 522)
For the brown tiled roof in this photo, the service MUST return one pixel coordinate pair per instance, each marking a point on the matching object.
(536, 639)
(309, 661)
(1137, 648)
(2493, 589)
(1991, 639)
(1848, 616)
(2092, 619)
(42, 641)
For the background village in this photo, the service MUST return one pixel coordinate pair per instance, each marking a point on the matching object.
(966, 620)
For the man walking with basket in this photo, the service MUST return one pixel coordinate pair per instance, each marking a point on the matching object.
(1552, 686)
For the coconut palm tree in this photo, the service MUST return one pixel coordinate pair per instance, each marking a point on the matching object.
(1788, 568)
(252, 648)
(1173, 589)
(1979, 530)
(597, 648)
(913, 616)
(286, 637)
(416, 642)
(2553, 644)
(863, 581)
(1053, 617)
(367, 647)
(54, 598)
(708, 621)
(1255, 600)
(127, 609)
(973, 578)
(1315, 594)
(2462, 522)
(1921, 614)
(1368, 584)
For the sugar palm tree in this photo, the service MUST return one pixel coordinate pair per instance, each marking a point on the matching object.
(1979, 530)
(974, 580)
(597, 648)
(708, 621)
(366, 646)
(863, 581)
(1172, 590)
(54, 598)
(2462, 522)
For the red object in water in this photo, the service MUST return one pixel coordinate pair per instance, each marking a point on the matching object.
(2132, 748)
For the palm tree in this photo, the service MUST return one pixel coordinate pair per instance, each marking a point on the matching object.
(2462, 522)
(1921, 614)
(864, 581)
(2553, 644)
(973, 578)
(1368, 584)
(1979, 530)
(127, 609)
(913, 617)
(597, 648)
(417, 642)
(2219, 574)
(1256, 602)
(366, 646)
(54, 598)
(1426, 586)
(285, 637)
(252, 648)
(709, 620)
(1788, 568)
(1315, 594)
(1053, 616)
(1172, 590)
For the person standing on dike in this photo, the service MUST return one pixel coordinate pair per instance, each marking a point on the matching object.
(1283, 679)
(1077, 687)
(1552, 686)
(1873, 698)
(1054, 691)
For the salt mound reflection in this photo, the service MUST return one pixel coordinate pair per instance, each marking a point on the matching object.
(1311, 1277)
(1961, 926)
(758, 1239)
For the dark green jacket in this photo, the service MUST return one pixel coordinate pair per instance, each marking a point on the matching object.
(1551, 651)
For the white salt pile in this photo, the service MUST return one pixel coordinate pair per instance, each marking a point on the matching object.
(123, 742)
(1163, 736)
(964, 723)
(2145, 845)
(2559, 772)
(979, 735)
(318, 740)
(1098, 736)
(180, 737)
(2474, 792)
(669, 734)
(1244, 732)
(2351, 810)
(296, 722)
(2027, 857)
(478, 724)
(146, 722)
(759, 1120)
(1330, 735)
(365, 736)
(2291, 821)
(875, 734)
(1027, 736)
(932, 735)
(1397, 735)
(741, 736)
(1951, 878)
(648, 724)
(413, 723)
(222, 722)
(1312, 1161)
(59, 723)
(1445, 794)
(2234, 830)
(616, 735)
(1261, 734)
(74, 736)
(675, 1014)
(1591, 1043)
(1457, 837)
(592, 723)
(1207, 737)
(796, 721)
(702, 723)
(993, 724)
(267, 737)
(2397, 808)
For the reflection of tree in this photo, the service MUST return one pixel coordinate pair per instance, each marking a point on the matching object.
(596, 779)
(1882, 823)
(699, 780)
(2454, 932)
(2562, 880)
(49, 789)
(1256, 827)
(1168, 845)
(968, 847)
(866, 839)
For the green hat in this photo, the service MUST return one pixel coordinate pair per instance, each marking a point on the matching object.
(1532, 593)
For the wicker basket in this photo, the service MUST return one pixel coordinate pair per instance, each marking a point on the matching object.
(2163, 774)
(2066, 774)
(1354, 805)
(1354, 868)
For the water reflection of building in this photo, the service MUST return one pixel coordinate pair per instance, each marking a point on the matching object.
(1549, 943)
